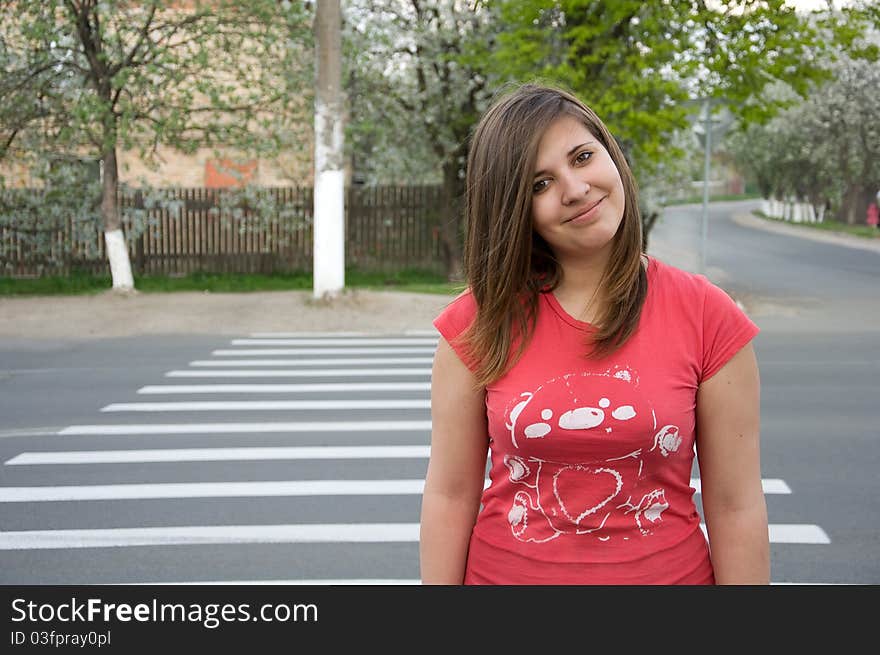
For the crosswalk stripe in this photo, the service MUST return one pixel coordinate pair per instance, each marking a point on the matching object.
(222, 534)
(211, 490)
(327, 387)
(33, 494)
(64, 493)
(219, 454)
(793, 533)
(294, 335)
(770, 486)
(302, 533)
(250, 352)
(248, 428)
(262, 405)
(351, 361)
(798, 534)
(302, 373)
(377, 341)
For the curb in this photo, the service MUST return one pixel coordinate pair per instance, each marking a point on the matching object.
(836, 238)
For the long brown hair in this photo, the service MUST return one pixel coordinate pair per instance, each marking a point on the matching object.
(507, 264)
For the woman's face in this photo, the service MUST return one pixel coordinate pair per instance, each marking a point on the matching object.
(577, 193)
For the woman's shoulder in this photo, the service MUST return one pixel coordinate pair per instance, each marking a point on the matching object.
(457, 314)
(667, 276)
(686, 291)
(463, 302)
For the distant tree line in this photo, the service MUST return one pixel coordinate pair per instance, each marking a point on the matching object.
(81, 77)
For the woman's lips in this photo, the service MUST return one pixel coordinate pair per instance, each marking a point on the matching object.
(588, 214)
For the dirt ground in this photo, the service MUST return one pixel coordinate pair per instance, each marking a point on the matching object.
(111, 314)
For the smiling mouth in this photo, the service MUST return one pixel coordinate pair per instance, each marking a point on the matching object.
(587, 210)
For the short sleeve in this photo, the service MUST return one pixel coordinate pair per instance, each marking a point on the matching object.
(726, 329)
(455, 318)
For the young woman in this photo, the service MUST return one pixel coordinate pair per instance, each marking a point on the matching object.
(591, 374)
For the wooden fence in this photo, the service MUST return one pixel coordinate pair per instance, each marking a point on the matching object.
(387, 228)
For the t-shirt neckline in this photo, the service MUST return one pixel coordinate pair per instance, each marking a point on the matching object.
(559, 310)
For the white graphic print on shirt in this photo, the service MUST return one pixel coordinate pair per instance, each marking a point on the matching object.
(608, 412)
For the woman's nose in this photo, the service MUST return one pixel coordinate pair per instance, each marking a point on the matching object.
(574, 188)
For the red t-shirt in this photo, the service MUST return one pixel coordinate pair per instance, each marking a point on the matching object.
(591, 460)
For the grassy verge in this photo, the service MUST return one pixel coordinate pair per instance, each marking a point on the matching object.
(830, 225)
(415, 281)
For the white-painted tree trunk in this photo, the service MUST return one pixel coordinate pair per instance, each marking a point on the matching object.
(329, 194)
(809, 213)
(776, 208)
(120, 265)
(329, 234)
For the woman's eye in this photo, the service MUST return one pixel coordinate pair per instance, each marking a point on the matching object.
(584, 156)
(539, 186)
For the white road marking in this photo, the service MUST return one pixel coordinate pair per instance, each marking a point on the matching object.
(294, 335)
(250, 352)
(794, 533)
(219, 454)
(267, 488)
(303, 373)
(218, 489)
(378, 341)
(222, 534)
(251, 534)
(249, 428)
(266, 405)
(28, 432)
(770, 486)
(327, 387)
(376, 361)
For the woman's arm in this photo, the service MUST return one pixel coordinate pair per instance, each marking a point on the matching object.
(456, 470)
(728, 452)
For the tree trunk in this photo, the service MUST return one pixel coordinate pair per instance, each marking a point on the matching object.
(114, 237)
(451, 222)
(329, 197)
(648, 221)
(855, 204)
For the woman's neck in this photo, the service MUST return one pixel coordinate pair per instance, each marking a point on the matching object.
(580, 287)
(582, 276)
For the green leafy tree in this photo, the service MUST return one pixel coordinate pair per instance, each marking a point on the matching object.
(88, 77)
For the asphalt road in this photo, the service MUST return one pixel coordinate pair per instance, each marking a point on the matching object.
(65, 523)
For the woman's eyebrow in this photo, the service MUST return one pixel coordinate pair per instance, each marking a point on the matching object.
(568, 154)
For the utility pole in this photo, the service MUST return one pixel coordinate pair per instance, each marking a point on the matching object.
(329, 196)
(704, 234)
(703, 128)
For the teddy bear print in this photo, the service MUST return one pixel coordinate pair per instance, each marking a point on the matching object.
(555, 498)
